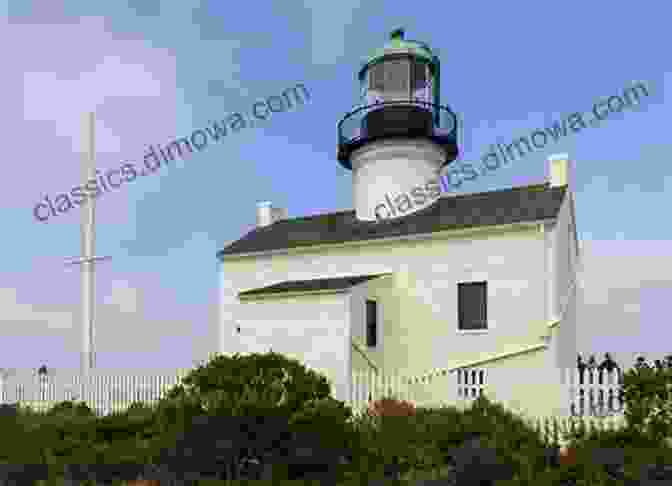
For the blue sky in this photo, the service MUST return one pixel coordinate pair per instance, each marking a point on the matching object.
(154, 71)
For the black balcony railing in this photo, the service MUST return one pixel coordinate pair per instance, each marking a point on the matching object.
(401, 118)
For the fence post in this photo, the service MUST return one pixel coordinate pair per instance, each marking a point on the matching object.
(567, 392)
(3, 392)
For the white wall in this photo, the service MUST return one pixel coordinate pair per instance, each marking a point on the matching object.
(421, 306)
(358, 296)
(378, 290)
(566, 292)
(393, 167)
(525, 384)
(315, 329)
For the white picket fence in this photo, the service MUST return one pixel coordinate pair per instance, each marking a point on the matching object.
(103, 392)
(432, 389)
(591, 400)
(592, 394)
(110, 391)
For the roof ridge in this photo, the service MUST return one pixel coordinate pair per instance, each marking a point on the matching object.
(344, 212)
(538, 185)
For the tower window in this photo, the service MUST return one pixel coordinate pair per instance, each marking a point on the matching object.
(419, 78)
(472, 305)
(390, 76)
(376, 77)
(371, 323)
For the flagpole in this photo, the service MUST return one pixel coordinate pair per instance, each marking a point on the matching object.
(88, 258)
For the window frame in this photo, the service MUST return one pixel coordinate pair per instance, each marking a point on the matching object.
(376, 313)
(461, 311)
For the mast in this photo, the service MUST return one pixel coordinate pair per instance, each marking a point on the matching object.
(88, 258)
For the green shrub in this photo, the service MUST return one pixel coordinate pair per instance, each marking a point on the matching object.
(70, 408)
(331, 417)
(418, 440)
(425, 440)
(267, 386)
(139, 407)
(647, 393)
(255, 382)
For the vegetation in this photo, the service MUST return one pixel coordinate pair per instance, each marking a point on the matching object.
(268, 416)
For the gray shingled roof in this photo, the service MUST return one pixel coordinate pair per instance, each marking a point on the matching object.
(337, 283)
(506, 206)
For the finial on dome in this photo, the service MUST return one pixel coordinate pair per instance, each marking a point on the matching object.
(397, 34)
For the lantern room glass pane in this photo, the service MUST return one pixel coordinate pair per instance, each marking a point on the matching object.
(396, 75)
(376, 77)
(419, 75)
(398, 80)
(389, 80)
(421, 82)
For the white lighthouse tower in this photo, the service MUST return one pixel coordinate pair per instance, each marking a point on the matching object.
(401, 136)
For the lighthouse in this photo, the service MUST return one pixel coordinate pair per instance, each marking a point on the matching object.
(400, 136)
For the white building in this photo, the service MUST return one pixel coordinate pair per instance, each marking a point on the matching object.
(478, 281)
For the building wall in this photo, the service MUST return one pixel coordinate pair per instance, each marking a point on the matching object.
(419, 301)
(314, 329)
(427, 298)
(379, 290)
(526, 384)
(566, 262)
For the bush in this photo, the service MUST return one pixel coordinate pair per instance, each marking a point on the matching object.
(219, 447)
(243, 417)
(331, 417)
(213, 446)
(251, 385)
(647, 393)
(102, 474)
(263, 396)
(618, 438)
(429, 440)
(80, 409)
(140, 407)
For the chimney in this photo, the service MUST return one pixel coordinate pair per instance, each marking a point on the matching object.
(267, 214)
(278, 214)
(559, 170)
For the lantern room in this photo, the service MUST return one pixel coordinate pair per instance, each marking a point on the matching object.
(399, 97)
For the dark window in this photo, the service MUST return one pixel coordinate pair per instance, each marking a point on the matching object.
(472, 305)
(371, 322)
(391, 76)
(396, 75)
(376, 77)
(419, 75)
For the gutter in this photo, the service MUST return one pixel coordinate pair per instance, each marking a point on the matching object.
(439, 234)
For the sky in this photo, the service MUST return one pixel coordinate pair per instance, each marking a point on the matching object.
(154, 71)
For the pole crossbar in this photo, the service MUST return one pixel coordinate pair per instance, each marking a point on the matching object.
(80, 260)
